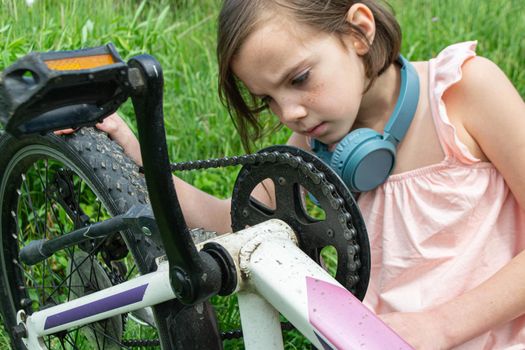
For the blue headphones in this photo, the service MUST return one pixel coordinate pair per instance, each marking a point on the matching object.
(364, 158)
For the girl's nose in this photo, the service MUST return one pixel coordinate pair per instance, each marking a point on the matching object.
(292, 112)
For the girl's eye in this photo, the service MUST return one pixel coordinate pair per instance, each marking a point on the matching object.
(301, 79)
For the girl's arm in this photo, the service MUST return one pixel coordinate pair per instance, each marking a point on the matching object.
(492, 112)
(200, 209)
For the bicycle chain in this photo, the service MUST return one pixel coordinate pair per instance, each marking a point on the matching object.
(357, 267)
(140, 343)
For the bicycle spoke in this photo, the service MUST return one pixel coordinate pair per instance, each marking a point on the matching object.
(76, 336)
(69, 341)
(45, 201)
(30, 203)
(129, 274)
(106, 336)
(46, 194)
(69, 276)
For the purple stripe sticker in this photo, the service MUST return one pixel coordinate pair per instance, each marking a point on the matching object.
(97, 307)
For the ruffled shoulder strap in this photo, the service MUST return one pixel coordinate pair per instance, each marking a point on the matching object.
(445, 71)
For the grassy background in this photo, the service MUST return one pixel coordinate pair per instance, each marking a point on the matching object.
(181, 34)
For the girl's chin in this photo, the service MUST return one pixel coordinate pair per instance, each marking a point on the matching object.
(331, 140)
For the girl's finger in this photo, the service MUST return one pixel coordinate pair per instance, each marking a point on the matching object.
(65, 131)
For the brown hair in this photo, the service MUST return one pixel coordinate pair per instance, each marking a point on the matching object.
(239, 18)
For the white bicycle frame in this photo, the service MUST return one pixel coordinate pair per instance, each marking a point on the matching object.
(274, 276)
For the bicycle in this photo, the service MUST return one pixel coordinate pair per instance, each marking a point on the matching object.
(128, 251)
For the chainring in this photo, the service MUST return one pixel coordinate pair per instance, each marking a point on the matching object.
(292, 169)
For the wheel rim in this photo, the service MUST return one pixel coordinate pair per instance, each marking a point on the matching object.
(33, 188)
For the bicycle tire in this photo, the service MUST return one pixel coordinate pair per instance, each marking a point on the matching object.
(101, 167)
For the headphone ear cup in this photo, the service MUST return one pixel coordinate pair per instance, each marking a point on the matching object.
(364, 159)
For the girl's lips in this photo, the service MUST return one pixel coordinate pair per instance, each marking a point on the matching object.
(317, 130)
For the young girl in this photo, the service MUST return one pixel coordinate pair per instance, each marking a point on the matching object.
(447, 228)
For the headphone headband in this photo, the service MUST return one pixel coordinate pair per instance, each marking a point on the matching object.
(406, 105)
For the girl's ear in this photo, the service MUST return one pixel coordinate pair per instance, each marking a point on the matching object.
(359, 15)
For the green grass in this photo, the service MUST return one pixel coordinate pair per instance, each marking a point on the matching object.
(181, 35)
(430, 25)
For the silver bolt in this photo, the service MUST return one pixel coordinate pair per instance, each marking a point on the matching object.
(146, 231)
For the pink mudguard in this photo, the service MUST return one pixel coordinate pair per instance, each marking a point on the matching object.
(343, 322)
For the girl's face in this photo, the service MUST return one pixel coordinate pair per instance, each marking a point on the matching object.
(312, 81)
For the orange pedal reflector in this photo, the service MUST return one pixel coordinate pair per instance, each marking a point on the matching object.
(80, 63)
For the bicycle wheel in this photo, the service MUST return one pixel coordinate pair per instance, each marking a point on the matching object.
(50, 185)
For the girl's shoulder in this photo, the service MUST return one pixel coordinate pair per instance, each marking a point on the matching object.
(470, 99)
(489, 108)
(473, 75)
(478, 78)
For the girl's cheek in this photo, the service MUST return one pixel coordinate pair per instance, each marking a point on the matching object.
(275, 109)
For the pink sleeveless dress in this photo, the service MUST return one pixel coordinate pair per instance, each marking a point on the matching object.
(441, 230)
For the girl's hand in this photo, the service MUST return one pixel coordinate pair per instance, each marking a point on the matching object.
(119, 132)
(419, 329)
